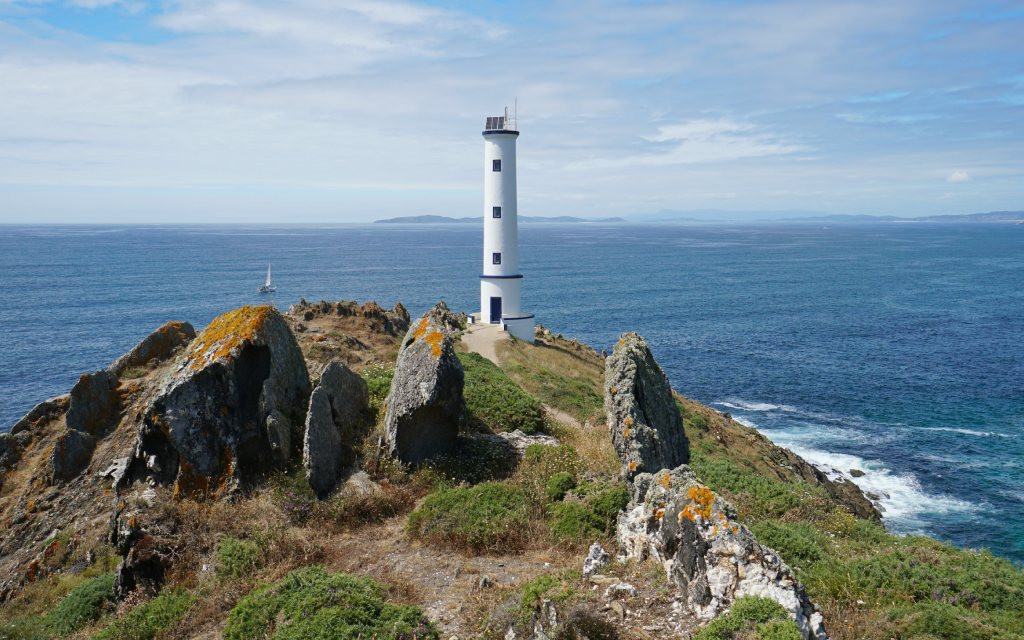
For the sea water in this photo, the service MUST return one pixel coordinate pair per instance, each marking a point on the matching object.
(896, 350)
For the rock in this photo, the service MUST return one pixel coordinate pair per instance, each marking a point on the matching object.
(115, 471)
(159, 345)
(597, 558)
(521, 441)
(856, 473)
(231, 411)
(646, 426)
(706, 552)
(44, 411)
(425, 407)
(620, 590)
(11, 447)
(95, 405)
(71, 454)
(335, 424)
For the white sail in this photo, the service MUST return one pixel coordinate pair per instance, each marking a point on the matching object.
(268, 276)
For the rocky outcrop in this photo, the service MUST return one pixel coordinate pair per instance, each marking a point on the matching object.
(336, 422)
(231, 411)
(43, 412)
(71, 454)
(156, 347)
(425, 407)
(393, 321)
(646, 426)
(710, 557)
(95, 405)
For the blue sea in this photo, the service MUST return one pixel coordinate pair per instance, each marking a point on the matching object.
(895, 349)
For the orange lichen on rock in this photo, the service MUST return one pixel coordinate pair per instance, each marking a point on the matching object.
(659, 514)
(665, 480)
(226, 334)
(703, 499)
(629, 421)
(625, 434)
(435, 339)
(632, 466)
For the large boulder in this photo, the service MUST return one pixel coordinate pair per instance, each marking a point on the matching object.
(231, 411)
(95, 404)
(425, 407)
(710, 557)
(646, 426)
(159, 346)
(43, 412)
(71, 454)
(335, 424)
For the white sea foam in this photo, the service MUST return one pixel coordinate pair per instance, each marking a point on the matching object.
(906, 507)
(969, 432)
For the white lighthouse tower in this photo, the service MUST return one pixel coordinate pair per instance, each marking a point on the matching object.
(501, 283)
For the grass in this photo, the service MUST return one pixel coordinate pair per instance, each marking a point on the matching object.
(496, 402)
(752, 618)
(312, 603)
(237, 558)
(134, 372)
(492, 516)
(149, 619)
(378, 382)
(569, 382)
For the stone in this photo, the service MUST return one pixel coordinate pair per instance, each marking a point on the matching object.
(231, 411)
(521, 441)
(71, 454)
(646, 426)
(44, 411)
(425, 407)
(597, 558)
(856, 473)
(115, 471)
(159, 346)
(620, 590)
(336, 422)
(709, 556)
(95, 404)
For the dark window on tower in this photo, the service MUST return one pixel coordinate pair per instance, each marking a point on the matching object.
(495, 165)
(495, 212)
(495, 258)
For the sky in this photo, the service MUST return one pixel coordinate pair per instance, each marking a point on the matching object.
(333, 111)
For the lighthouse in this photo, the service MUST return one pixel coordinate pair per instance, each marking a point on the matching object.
(501, 283)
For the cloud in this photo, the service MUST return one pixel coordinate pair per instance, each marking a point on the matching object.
(958, 176)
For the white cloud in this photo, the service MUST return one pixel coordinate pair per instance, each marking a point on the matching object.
(957, 176)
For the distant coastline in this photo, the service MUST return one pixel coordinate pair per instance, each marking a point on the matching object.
(429, 219)
(708, 216)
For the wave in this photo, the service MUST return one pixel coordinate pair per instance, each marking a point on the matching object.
(904, 504)
(969, 432)
(743, 405)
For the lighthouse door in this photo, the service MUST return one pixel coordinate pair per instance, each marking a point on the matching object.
(495, 309)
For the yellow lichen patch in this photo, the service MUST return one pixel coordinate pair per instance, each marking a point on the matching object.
(421, 328)
(659, 514)
(629, 421)
(625, 434)
(703, 499)
(665, 480)
(435, 339)
(133, 522)
(226, 334)
(632, 466)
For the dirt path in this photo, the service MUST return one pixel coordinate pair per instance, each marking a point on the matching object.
(483, 338)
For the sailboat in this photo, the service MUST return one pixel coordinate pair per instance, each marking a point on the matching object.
(267, 287)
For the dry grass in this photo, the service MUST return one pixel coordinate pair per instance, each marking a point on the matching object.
(569, 379)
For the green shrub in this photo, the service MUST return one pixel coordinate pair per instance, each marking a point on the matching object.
(378, 382)
(756, 496)
(560, 484)
(779, 630)
(475, 460)
(237, 558)
(799, 543)
(495, 401)
(311, 603)
(574, 522)
(134, 372)
(607, 500)
(148, 619)
(747, 614)
(82, 605)
(539, 464)
(492, 516)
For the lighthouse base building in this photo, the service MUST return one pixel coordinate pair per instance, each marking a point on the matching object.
(501, 282)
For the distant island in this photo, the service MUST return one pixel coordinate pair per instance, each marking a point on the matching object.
(429, 219)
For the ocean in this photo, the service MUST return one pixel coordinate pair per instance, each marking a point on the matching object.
(893, 349)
